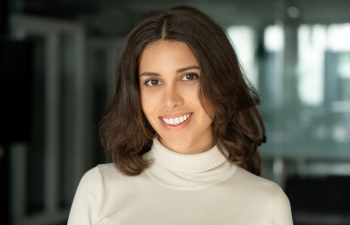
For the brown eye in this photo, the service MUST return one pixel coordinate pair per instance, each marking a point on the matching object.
(190, 76)
(152, 82)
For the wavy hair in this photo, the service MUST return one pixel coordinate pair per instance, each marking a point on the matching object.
(124, 131)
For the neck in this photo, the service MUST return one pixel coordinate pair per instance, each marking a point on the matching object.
(201, 144)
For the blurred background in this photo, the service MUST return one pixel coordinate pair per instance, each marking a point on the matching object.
(57, 65)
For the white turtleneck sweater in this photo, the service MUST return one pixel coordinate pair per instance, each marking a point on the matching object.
(196, 189)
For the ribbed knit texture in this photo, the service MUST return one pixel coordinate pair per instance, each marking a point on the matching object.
(178, 189)
(188, 171)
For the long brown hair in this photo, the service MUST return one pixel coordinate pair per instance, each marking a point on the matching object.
(125, 132)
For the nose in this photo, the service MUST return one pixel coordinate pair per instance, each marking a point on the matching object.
(172, 97)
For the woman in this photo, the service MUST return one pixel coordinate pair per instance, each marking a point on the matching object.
(182, 131)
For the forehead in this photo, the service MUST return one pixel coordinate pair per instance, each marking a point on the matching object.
(167, 54)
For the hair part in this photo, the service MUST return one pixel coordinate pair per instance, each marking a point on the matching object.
(124, 131)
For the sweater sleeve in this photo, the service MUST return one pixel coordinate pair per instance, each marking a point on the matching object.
(280, 211)
(86, 204)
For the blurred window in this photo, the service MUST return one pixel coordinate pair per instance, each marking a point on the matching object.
(311, 48)
(312, 120)
(273, 38)
(243, 41)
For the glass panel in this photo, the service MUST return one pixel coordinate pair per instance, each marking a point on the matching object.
(312, 44)
(243, 39)
(99, 76)
(67, 114)
(313, 122)
(35, 155)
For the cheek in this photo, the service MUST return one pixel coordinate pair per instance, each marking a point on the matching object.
(190, 94)
(148, 102)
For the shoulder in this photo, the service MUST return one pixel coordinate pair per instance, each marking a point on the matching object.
(89, 197)
(256, 183)
(107, 170)
(98, 175)
(259, 188)
(280, 211)
(91, 179)
(269, 194)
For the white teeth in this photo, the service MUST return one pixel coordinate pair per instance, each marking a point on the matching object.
(177, 120)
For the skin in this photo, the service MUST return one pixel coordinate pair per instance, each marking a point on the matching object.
(164, 89)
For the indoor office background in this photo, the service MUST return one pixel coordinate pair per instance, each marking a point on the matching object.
(57, 70)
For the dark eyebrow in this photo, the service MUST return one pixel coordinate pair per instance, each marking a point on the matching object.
(149, 74)
(186, 68)
(178, 71)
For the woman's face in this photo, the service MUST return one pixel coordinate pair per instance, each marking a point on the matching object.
(169, 77)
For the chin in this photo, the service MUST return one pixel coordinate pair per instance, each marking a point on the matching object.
(178, 144)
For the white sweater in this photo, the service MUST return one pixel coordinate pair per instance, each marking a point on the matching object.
(179, 189)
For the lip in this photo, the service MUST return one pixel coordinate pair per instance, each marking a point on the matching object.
(180, 126)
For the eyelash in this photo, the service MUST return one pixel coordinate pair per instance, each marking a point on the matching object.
(194, 74)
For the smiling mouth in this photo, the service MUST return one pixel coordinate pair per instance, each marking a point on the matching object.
(177, 120)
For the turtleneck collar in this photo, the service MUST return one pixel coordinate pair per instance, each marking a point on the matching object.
(187, 163)
(188, 171)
